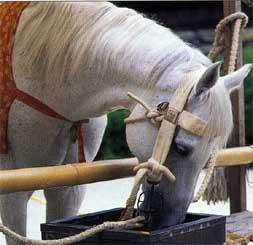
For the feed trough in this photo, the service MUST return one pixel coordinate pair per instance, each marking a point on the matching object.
(197, 229)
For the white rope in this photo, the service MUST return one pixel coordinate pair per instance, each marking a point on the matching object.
(209, 172)
(128, 224)
(154, 171)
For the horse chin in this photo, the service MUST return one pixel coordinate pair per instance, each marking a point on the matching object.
(165, 220)
(163, 214)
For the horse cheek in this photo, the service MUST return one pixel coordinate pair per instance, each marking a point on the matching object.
(141, 139)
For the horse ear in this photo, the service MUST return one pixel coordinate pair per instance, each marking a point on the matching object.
(234, 80)
(208, 79)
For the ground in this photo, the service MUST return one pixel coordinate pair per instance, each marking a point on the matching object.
(113, 194)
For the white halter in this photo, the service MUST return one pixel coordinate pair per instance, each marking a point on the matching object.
(169, 115)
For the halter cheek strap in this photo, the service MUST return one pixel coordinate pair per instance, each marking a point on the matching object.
(173, 115)
(183, 119)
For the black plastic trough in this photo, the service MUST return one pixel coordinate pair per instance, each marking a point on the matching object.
(197, 229)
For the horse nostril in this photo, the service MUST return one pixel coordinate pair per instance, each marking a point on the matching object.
(150, 204)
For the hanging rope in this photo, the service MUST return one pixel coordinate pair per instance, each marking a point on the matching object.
(209, 171)
(237, 21)
(240, 21)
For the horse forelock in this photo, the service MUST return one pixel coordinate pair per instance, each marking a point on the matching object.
(220, 119)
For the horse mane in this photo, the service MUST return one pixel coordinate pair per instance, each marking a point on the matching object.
(79, 34)
(118, 41)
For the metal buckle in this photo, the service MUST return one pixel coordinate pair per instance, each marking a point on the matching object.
(172, 115)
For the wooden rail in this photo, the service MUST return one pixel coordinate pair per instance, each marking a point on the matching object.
(84, 173)
(235, 156)
(28, 179)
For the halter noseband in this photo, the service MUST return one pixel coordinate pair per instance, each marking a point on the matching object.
(167, 116)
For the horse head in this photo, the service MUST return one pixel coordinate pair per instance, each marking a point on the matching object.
(208, 100)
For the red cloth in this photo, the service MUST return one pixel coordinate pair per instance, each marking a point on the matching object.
(10, 13)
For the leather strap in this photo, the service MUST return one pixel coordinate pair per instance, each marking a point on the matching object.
(77, 131)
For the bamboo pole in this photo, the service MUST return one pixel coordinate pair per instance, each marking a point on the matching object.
(235, 156)
(28, 179)
(85, 173)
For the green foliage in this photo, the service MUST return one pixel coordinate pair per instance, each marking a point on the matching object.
(114, 143)
(248, 93)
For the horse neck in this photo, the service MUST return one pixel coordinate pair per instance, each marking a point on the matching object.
(123, 51)
(89, 55)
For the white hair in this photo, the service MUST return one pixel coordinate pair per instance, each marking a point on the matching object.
(77, 35)
(116, 32)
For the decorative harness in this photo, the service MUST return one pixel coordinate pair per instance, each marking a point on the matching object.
(9, 17)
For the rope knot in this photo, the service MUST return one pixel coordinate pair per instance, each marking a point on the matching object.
(155, 171)
(155, 174)
(154, 116)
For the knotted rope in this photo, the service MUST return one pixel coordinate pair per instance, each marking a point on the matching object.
(153, 171)
(151, 114)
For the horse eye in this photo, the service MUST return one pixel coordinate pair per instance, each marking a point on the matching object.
(182, 149)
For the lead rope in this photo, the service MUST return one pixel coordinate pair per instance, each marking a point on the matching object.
(128, 224)
(241, 21)
(209, 168)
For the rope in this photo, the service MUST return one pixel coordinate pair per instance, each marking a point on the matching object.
(153, 115)
(154, 171)
(240, 19)
(209, 171)
(128, 224)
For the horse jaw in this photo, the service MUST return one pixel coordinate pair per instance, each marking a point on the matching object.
(173, 199)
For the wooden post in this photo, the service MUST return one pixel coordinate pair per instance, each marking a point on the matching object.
(236, 175)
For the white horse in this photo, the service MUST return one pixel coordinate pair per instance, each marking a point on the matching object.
(81, 59)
